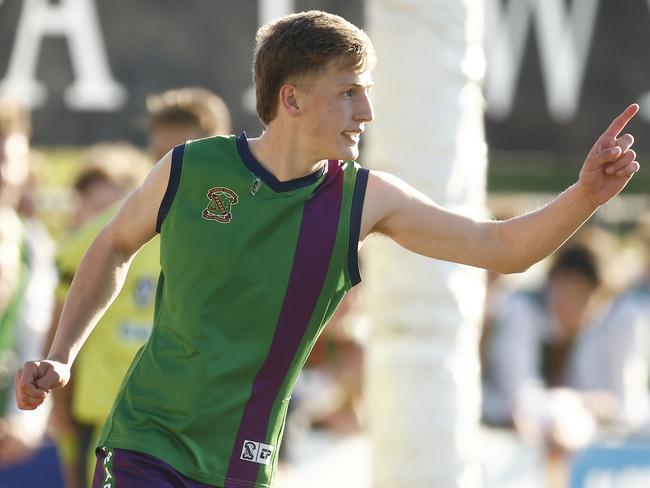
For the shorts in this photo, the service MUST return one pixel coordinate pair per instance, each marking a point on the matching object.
(131, 469)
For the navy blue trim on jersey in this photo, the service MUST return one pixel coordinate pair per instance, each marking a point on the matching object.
(267, 177)
(358, 197)
(172, 185)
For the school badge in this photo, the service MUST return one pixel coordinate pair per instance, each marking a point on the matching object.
(221, 201)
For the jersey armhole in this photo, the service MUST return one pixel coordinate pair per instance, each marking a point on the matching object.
(356, 210)
(172, 185)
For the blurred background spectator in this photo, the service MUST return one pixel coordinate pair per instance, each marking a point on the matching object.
(109, 172)
(27, 281)
(567, 364)
(181, 114)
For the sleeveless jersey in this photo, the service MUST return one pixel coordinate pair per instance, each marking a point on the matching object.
(252, 269)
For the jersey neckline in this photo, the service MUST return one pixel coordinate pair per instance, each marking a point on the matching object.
(256, 168)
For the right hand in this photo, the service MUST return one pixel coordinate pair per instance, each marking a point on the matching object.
(36, 379)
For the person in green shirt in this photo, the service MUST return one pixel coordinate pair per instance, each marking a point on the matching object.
(259, 240)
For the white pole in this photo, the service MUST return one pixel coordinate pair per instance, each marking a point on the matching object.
(423, 388)
(269, 10)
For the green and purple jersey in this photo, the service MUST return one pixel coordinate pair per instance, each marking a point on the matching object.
(252, 269)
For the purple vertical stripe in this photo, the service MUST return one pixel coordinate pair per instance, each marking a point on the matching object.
(316, 239)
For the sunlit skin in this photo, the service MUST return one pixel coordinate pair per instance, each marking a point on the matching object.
(320, 117)
(334, 111)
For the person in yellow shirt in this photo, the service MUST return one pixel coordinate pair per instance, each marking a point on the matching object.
(109, 172)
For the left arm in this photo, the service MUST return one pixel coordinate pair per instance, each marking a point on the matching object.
(411, 219)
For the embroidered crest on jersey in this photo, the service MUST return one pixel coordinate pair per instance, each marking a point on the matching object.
(221, 201)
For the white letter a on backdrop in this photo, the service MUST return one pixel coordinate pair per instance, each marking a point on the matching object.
(94, 87)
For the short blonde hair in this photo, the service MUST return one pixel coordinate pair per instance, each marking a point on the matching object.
(190, 107)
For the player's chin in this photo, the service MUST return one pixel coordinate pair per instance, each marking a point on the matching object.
(349, 152)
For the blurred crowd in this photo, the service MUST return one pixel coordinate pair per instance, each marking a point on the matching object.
(565, 353)
(566, 356)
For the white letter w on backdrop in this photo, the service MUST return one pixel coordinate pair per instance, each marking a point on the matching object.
(564, 34)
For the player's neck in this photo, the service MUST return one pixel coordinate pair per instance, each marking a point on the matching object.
(285, 157)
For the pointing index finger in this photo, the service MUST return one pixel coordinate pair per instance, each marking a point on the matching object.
(619, 123)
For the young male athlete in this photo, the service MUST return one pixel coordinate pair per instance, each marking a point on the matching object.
(259, 241)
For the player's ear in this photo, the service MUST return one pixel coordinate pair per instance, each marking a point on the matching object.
(289, 100)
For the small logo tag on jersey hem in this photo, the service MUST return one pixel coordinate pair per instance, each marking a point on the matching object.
(221, 201)
(257, 452)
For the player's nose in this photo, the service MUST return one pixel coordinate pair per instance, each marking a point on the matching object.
(365, 110)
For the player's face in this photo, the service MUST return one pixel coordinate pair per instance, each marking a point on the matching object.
(335, 106)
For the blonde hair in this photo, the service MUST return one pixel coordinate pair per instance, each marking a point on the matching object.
(191, 107)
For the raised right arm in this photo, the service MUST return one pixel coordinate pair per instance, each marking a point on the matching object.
(97, 282)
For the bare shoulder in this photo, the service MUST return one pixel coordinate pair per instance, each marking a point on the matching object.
(397, 210)
(385, 195)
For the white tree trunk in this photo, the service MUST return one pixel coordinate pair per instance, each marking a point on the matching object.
(423, 388)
